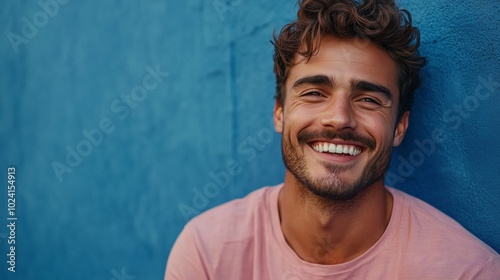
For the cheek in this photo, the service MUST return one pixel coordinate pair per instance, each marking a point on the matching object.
(298, 118)
(379, 127)
(304, 114)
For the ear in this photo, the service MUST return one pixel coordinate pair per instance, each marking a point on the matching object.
(400, 131)
(278, 117)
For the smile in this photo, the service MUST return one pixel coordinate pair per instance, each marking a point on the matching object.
(324, 147)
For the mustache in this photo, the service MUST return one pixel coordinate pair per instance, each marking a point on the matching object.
(307, 135)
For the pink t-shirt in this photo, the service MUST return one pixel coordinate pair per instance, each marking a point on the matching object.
(242, 239)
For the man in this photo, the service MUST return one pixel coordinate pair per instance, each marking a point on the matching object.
(345, 73)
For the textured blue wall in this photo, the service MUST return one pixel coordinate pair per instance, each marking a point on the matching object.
(79, 77)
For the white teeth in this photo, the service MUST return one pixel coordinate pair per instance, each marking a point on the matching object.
(336, 149)
(339, 149)
(319, 148)
(331, 148)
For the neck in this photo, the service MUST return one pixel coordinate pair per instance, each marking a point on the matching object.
(331, 232)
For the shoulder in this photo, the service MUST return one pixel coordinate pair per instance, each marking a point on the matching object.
(221, 237)
(414, 209)
(434, 238)
(419, 209)
(233, 219)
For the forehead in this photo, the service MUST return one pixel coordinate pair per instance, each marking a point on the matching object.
(345, 60)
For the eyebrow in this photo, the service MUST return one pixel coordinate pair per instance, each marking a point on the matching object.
(369, 86)
(320, 80)
(323, 80)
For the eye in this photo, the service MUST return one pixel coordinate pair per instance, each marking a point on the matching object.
(312, 93)
(369, 103)
(370, 100)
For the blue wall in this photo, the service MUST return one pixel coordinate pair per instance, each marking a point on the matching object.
(160, 147)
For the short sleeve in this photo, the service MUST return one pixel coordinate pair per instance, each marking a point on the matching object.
(185, 261)
(490, 269)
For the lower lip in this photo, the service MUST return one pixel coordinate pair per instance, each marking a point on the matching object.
(335, 157)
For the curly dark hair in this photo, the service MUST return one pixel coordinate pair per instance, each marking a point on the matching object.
(378, 21)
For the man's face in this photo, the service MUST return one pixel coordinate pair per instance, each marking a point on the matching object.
(338, 120)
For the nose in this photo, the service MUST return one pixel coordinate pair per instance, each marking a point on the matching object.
(338, 114)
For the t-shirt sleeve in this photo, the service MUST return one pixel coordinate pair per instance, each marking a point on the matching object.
(185, 261)
(490, 269)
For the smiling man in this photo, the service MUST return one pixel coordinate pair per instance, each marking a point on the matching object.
(346, 72)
